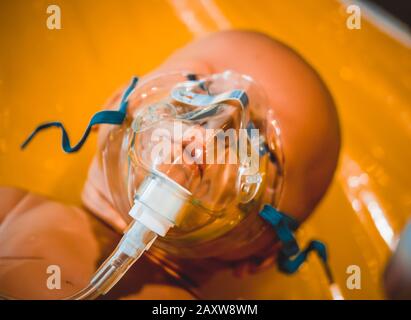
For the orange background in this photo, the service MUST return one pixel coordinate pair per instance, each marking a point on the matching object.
(67, 74)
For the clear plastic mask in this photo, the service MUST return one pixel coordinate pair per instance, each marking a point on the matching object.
(199, 138)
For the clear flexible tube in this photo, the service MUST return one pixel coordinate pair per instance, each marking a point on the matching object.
(151, 218)
(137, 239)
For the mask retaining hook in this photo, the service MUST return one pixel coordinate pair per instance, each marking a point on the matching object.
(291, 257)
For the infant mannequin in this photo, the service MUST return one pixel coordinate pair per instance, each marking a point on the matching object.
(36, 233)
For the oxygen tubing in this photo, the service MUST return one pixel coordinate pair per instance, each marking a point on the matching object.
(137, 239)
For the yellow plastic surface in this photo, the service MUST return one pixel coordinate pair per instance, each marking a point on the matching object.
(67, 75)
